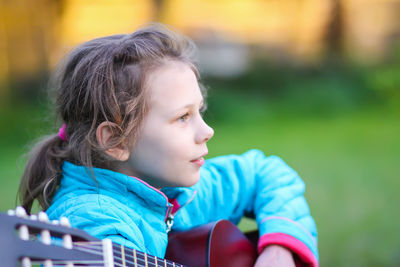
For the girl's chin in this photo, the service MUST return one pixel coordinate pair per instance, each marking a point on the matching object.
(193, 181)
(183, 179)
(189, 182)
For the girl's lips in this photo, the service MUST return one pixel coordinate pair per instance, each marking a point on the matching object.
(199, 161)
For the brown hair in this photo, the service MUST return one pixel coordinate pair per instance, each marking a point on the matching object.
(101, 80)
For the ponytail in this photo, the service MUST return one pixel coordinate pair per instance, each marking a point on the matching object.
(42, 172)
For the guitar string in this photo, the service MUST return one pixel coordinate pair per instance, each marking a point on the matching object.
(100, 244)
(89, 262)
(130, 258)
(160, 261)
(86, 263)
(64, 262)
(116, 251)
(98, 252)
(73, 262)
(139, 261)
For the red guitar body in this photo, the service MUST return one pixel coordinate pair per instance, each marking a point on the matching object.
(219, 244)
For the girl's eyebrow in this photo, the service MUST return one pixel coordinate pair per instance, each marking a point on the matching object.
(190, 105)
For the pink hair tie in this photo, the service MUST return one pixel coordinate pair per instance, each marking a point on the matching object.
(61, 132)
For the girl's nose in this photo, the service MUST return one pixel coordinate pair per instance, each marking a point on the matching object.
(205, 133)
(209, 132)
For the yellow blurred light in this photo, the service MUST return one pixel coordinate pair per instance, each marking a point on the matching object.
(87, 19)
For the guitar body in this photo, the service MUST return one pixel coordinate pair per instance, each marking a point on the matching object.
(219, 244)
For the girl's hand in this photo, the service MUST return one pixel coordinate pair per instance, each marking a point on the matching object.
(275, 255)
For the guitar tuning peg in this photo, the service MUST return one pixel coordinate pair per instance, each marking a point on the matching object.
(20, 211)
(26, 262)
(11, 212)
(43, 217)
(65, 222)
(33, 217)
(55, 222)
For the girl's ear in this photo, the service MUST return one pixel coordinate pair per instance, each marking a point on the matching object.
(104, 135)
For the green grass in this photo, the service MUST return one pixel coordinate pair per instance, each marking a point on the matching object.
(349, 159)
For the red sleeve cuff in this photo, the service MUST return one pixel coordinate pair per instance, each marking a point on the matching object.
(304, 256)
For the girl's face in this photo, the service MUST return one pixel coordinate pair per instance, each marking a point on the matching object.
(172, 141)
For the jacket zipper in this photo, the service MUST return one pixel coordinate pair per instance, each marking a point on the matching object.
(170, 217)
(170, 220)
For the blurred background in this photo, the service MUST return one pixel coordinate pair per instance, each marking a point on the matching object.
(316, 82)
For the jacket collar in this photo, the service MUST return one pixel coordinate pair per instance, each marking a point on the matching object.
(115, 184)
(131, 190)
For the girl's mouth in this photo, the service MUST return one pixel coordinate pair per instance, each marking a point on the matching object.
(199, 161)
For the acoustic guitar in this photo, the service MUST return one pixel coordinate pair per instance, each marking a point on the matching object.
(34, 241)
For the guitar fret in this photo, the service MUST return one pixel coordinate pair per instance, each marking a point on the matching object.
(145, 259)
(123, 256)
(108, 252)
(134, 256)
(155, 260)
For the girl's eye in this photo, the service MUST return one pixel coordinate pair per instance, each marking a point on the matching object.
(184, 117)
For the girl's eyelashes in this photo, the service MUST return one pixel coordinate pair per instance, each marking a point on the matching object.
(203, 109)
(184, 117)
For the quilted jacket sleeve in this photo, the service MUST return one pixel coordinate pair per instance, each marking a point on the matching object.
(266, 187)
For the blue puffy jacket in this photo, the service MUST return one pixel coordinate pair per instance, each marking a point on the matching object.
(132, 213)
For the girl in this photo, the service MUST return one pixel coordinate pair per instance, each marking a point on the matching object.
(129, 158)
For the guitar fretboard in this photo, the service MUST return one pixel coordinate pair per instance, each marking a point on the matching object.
(128, 257)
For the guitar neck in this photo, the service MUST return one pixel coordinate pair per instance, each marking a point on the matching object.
(31, 240)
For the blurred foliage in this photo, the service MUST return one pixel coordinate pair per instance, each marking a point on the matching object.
(385, 80)
(333, 87)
